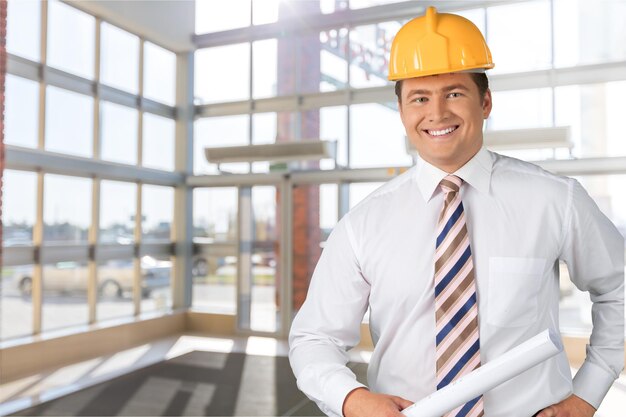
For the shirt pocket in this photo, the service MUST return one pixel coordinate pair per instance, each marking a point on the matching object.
(513, 292)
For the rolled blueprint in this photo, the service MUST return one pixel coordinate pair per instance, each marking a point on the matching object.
(493, 373)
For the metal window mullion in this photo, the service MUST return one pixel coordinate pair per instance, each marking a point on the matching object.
(92, 266)
(182, 230)
(286, 256)
(552, 49)
(137, 252)
(245, 236)
(251, 92)
(137, 273)
(42, 81)
(37, 278)
(92, 284)
(96, 95)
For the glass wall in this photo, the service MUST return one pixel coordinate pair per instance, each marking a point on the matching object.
(21, 114)
(75, 119)
(215, 235)
(365, 121)
(19, 207)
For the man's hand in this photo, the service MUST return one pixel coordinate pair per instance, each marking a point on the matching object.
(362, 403)
(572, 406)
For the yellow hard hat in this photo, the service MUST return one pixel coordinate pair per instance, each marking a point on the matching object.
(437, 43)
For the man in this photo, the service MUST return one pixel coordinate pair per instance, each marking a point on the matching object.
(457, 259)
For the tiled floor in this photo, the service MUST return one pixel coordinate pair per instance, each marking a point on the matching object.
(188, 375)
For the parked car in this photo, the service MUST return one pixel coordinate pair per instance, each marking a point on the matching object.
(115, 277)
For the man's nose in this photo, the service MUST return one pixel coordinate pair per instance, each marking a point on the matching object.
(438, 110)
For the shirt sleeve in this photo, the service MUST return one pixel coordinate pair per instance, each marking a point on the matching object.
(594, 252)
(328, 324)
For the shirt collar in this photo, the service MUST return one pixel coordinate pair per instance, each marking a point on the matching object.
(476, 172)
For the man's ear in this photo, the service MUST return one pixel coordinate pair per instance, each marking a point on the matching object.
(400, 110)
(487, 103)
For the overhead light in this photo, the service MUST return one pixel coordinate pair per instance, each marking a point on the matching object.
(274, 152)
(536, 138)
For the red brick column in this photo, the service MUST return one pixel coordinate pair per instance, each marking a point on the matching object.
(299, 72)
(3, 69)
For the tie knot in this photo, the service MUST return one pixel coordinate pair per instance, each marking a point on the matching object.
(451, 183)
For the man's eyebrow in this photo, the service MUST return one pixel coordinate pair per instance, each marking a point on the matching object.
(455, 87)
(420, 92)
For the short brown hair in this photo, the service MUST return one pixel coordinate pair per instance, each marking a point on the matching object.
(480, 79)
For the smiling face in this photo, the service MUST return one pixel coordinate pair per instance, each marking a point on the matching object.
(443, 117)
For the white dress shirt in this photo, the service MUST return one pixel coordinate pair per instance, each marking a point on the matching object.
(521, 220)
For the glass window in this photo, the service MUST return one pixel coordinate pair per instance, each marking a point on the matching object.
(215, 215)
(334, 127)
(120, 58)
(222, 73)
(115, 289)
(156, 289)
(158, 142)
(588, 32)
(358, 191)
(24, 28)
(21, 113)
(19, 207)
(264, 68)
(66, 216)
(595, 114)
(312, 62)
(369, 53)
(16, 319)
(334, 59)
(64, 295)
(264, 128)
(329, 209)
(69, 122)
(290, 58)
(361, 4)
(215, 290)
(215, 267)
(212, 16)
(117, 212)
(264, 207)
(288, 126)
(568, 112)
(218, 132)
(515, 48)
(263, 261)
(615, 93)
(71, 39)
(264, 11)
(331, 6)
(119, 133)
(521, 109)
(159, 74)
(377, 136)
(158, 213)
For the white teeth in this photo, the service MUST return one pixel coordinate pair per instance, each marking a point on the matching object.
(441, 132)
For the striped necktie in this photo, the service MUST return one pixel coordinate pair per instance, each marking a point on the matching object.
(457, 340)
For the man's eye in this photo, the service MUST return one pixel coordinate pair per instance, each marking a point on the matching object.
(420, 99)
(454, 95)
